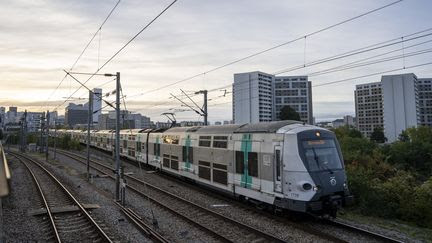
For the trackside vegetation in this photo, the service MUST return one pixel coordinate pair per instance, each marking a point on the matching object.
(392, 181)
(63, 142)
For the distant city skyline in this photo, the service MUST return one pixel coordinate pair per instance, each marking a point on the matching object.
(41, 38)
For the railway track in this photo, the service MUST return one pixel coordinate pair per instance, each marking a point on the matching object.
(218, 225)
(68, 220)
(303, 227)
(353, 228)
(327, 222)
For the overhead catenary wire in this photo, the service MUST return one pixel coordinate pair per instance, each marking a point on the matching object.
(373, 74)
(121, 49)
(268, 49)
(85, 48)
(347, 79)
(349, 53)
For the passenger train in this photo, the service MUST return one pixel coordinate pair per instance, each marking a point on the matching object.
(283, 164)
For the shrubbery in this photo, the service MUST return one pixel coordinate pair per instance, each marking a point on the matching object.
(390, 181)
(65, 142)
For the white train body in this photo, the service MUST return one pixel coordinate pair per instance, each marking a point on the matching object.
(285, 164)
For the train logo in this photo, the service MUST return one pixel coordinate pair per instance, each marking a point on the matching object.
(333, 181)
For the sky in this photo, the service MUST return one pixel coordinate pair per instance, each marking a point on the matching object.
(41, 38)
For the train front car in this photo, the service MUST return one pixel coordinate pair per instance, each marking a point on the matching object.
(314, 179)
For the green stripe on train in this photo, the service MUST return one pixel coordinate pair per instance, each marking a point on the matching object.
(157, 152)
(246, 147)
(187, 144)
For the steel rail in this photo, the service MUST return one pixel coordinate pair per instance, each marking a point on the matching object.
(143, 226)
(353, 228)
(310, 230)
(256, 231)
(42, 195)
(66, 191)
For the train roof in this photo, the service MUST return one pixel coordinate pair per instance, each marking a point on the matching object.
(265, 127)
(261, 127)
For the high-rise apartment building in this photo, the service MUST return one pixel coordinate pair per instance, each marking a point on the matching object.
(296, 92)
(424, 89)
(259, 97)
(369, 107)
(97, 104)
(400, 101)
(396, 103)
(252, 97)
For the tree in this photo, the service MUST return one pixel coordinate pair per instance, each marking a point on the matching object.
(288, 113)
(378, 135)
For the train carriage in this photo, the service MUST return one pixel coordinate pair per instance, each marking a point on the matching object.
(286, 164)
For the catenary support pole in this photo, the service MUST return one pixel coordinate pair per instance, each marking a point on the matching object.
(55, 138)
(89, 123)
(117, 138)
(25, 130)
(47, 135)
(41, 145)
(205, 108)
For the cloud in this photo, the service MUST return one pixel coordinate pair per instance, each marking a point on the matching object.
(42, 37)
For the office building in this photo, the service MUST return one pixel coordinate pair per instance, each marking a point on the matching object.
(76, 114)
(34, 121)
(128, 120)
(191, 123)
(296, 92)
(349, 121)
(424, 89)
(259, 97)
(369, 107)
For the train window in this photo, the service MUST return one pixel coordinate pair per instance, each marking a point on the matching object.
(138, 147)
(278, 165)
(253, 164)
(220, 176)
(170, 139)
(219, 166)
(174, 162)
(220, 142)
(239, 162)
(188, 157)
(204, 170)
(204, 141)
(166, 160)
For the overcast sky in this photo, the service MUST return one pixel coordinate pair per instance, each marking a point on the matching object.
(40, 38)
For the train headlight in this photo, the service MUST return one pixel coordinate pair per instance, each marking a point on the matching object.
(307, 186)
(316, 188)
(345, 185)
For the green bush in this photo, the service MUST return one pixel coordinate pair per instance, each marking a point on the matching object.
(65, 142)
(423, 204)
(393, 180)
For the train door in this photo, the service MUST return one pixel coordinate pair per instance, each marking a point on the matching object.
(246, 163)
(277, 168)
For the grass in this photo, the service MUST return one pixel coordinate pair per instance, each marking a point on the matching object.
(413, 231)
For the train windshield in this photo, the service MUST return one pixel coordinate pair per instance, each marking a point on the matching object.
(321, 155)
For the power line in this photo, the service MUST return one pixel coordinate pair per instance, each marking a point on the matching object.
(368, 75)
(269, 49)
(121, 49)
(349, 53)
(85, 48)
